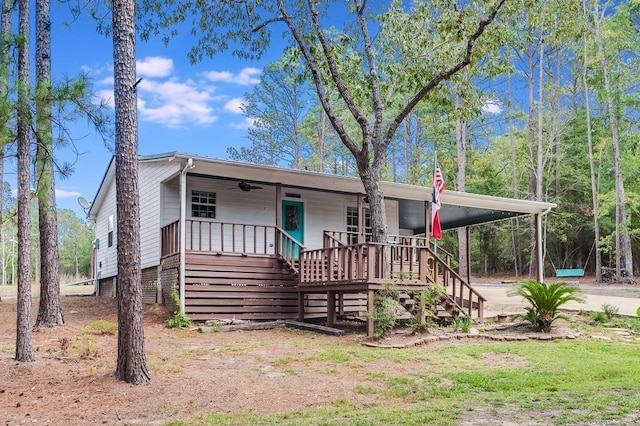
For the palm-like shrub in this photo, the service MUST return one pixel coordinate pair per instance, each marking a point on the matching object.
(545, 300)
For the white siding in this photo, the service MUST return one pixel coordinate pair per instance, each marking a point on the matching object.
(322, 210)
(328, 212)
(170, 201)
(106, 256)
(160, 205)
(150, 176)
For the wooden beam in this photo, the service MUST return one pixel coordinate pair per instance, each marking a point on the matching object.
(539, 249)
(371, 312)
(467, 232)
(314, 327)
(301, 306)
(360, 208)
(331, 308)
(279, 205)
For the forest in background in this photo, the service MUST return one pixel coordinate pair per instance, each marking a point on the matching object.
(550, 115)
(75, 239)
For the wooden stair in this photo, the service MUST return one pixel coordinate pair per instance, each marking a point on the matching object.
(239, 287)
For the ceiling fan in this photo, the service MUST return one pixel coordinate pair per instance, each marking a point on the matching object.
(247, 187)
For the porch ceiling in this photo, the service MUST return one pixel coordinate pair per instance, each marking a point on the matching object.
(412, 215)
(458, 208)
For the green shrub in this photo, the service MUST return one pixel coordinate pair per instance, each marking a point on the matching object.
(609, 310)
(179, 319)
(545, 299)
(599, 318)
(421, 321)
(466, 324)
(456, 323)
(100, 327)
(384, 317)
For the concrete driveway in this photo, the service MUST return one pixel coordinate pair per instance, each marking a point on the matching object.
(625, 297)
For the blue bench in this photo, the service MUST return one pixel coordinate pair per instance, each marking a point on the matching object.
(578, 272)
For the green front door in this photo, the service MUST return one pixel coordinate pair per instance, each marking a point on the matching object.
(293, 219)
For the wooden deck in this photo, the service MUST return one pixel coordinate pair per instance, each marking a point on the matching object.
(259, 272)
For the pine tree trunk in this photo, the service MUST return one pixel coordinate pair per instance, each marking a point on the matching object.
(532, 158)
(592, 167)
(623, 239)
(131, 365)
(461, 179)
(5, 43)
(50, 312)
(24, 337)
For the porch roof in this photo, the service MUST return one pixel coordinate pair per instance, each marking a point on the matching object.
(458, 208)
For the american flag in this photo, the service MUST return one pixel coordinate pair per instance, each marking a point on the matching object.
(438, 187)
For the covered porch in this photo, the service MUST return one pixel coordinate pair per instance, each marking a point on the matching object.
(258, 272)
(281, 243)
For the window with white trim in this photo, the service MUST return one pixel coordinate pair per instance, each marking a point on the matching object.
(203, 204)
(110, 228)
(352, 224)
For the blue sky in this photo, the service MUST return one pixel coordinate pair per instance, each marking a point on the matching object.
(181, 107)
(192, 108)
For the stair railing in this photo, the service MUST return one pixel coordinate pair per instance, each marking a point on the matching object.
(288, 248)
(466, 298)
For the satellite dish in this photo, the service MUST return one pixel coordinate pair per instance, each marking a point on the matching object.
(83, 203)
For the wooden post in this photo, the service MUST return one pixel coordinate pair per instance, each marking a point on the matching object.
(539, 249)
(300, 306)
(427, 220)
(331, 308)
(423, 307)
(278, 217)
(468, 237)
(360, 208)
(371, 312)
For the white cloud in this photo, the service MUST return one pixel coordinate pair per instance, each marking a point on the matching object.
(106, 81)
(154, 66)
(234, 106)
(96, 70)
(173, 103)
(61, 193)
(242, 125)
(492, 106)
(106, 96)
(165, 98)
(246, 76)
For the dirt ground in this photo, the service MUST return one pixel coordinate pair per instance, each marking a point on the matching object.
(71, 380)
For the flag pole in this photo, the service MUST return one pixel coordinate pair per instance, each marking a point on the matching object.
(435, 165)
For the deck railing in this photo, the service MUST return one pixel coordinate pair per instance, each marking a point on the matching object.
(288, 248)
(370, 262)
(398, 264)
(461, 292)
(335, 238)
(170, 239)
(234, 238)
(229, 237)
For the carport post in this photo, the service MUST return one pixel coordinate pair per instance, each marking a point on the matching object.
(539, 249)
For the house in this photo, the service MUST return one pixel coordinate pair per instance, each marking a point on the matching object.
(237, 240)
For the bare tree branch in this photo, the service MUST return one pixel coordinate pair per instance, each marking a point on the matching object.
(317, 79)
(444, 75)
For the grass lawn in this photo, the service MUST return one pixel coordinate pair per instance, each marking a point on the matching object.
(531, 382)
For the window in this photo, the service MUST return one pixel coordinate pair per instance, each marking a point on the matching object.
(110, 226)
(203, 204)
(352, 224)
(292, 218)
